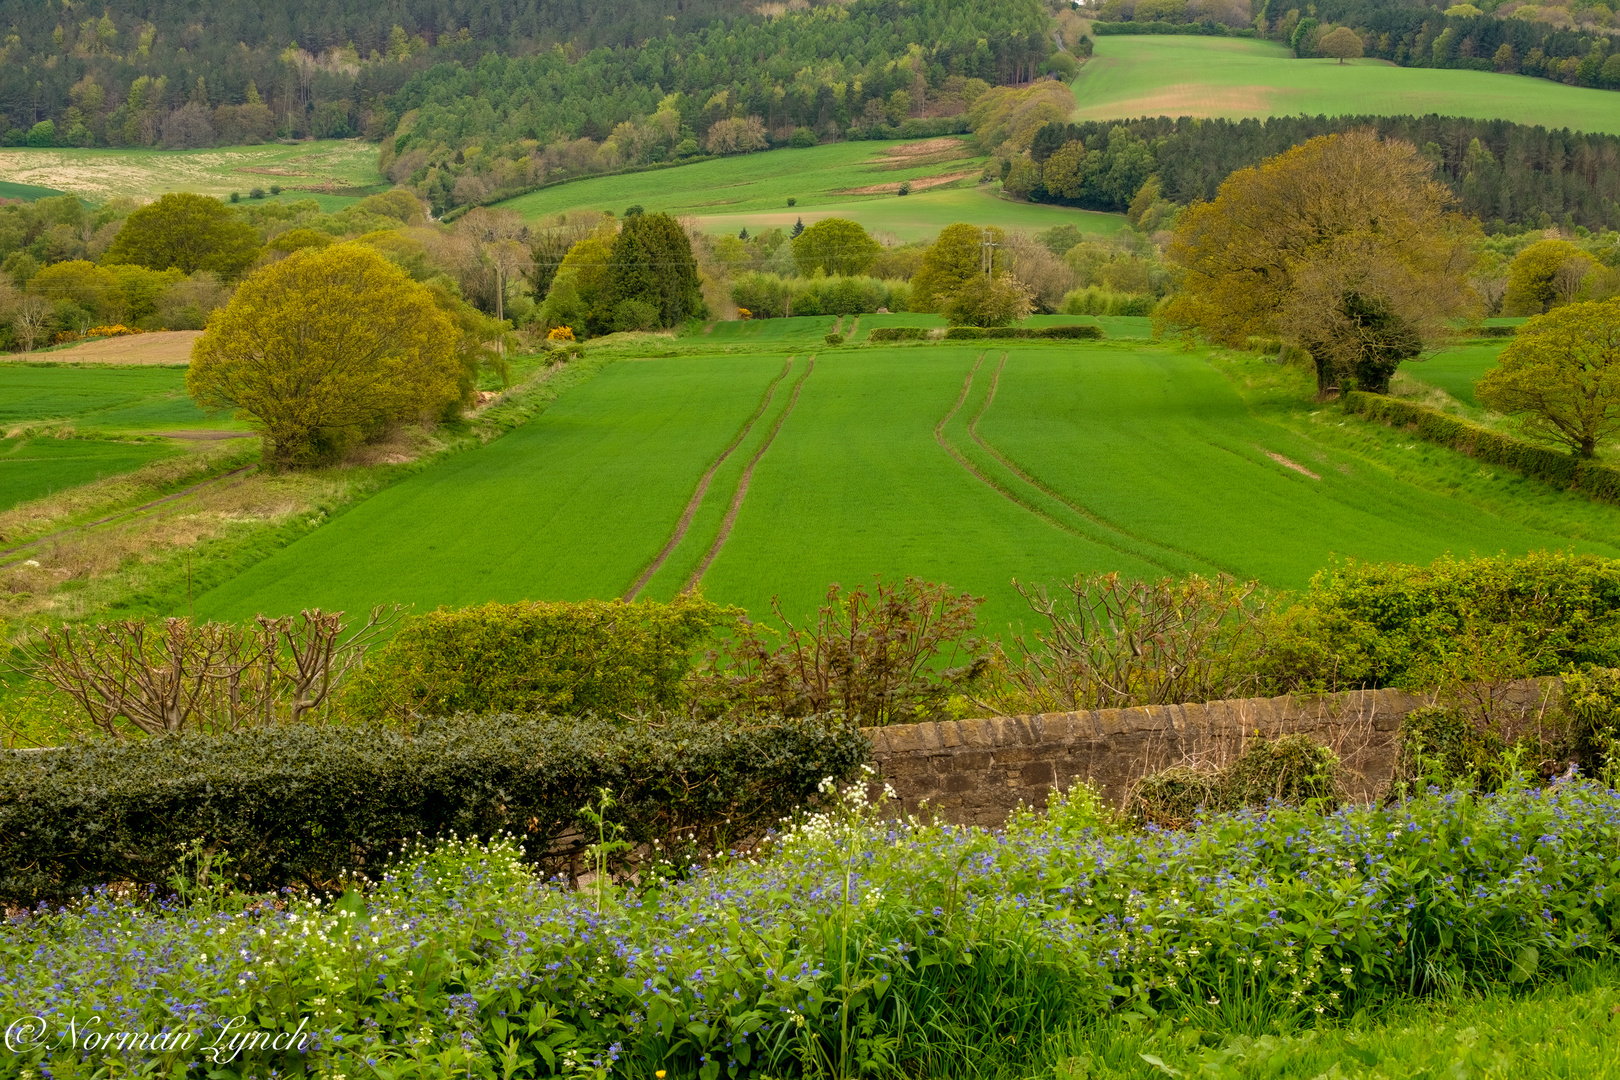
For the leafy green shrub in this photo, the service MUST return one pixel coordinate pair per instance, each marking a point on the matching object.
(1292, 769)
(1072, 332)
(1373, 625)
(898, 333)
(588, 656)
(1590, 701)
(1096, 300)
(834, 339)
(302, 804)
(769, 296)
(635, 315)
(1594, 479)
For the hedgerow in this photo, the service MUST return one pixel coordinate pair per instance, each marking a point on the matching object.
(1601, 482)
(1072, 332)
(854, 945)
(299, 804)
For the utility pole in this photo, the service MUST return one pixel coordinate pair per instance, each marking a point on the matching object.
(988, 248)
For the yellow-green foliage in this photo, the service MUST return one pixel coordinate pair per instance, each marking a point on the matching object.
(605, 657)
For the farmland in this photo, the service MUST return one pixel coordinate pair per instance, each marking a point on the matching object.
(69, 424)
(305, 170)
(751, 190)
(942, 461)
(1233, 77)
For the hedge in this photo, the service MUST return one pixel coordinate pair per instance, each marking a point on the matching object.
(301, 804)
(1200, 29)
(1071, 332)
(1598, 481)
(898, 333)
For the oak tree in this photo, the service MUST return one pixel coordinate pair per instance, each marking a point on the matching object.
(191, 232)
(1345, 246)
(835, 246)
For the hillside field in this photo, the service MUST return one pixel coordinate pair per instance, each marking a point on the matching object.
(949, 461)
(751, 190)
(1155, 75)
(302, 168)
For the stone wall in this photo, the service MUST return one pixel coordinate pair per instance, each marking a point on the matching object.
(974, 772)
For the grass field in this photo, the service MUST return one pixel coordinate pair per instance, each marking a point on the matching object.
(103, 398)
(31, 468)
(97, 175)
(751, 190)
(935, 460)
(25, 192)
(1456, 370)
(1207, 76)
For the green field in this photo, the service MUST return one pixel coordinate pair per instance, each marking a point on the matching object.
(31, 468)
(1155, 75)
(25, 192)
(934, 460)
(751, 190)
(103, 398)
(303, 169)
(1457, 369)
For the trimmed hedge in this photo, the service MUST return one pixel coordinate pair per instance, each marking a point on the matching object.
(1591, 478)
(898, 333)
(1071, 332)
(1200, 29)
(300, 804)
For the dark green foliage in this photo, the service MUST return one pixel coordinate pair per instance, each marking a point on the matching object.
(898, 333)
(652, 264)
(1292, 769)
(1517, 174)
(590, 656)
(1070, 332)
(1208, 29)
(1448, 746)
(834, 339)
(188, 232)
(1590, 701)
(1591, 478)
(300, 803)
(1373, 625)
(1383, 339)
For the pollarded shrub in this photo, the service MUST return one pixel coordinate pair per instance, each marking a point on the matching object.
(1293, 769)
(601, 656)
(299, 804)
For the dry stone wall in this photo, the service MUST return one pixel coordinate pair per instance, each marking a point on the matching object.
(974, 772)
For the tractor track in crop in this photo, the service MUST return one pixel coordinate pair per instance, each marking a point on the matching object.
(742, 485)
(696, 500)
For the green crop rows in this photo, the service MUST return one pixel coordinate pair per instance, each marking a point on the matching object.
(1232, 77)
(943, 461)
(34, 467)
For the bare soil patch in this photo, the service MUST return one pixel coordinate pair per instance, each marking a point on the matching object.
(1289, 464)
(919, 184)
(927, 146)
(160, 347)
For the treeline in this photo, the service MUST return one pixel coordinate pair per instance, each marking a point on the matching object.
(478, 98)
(873, 66)
(1507, 175)
(1551, 41)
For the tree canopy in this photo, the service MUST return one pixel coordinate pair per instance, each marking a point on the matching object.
(954, 258)
(835, 246)
(651, 263)
(325, 349)
(1561, 376)
(187, 232)
(1344, 246)
(1546, 273)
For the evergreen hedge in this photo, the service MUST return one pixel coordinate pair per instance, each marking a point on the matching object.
(1591, 478)
(1072, 332)
(301, 804)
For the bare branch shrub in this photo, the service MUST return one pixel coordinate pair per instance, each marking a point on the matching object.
(160, 678)
(894, 655)
(1111, 643)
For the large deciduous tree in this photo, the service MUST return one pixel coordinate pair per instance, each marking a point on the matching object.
(835, 246)
(1546, 273)
(1345, 246)
(954, 258)
(190, 232)
(1561, 375)
(325, 349)
(1342, 42)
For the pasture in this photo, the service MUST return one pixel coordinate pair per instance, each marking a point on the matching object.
(33, 467)
(1131, 76)
(305, 170)
(751, 191)
(753, 472)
